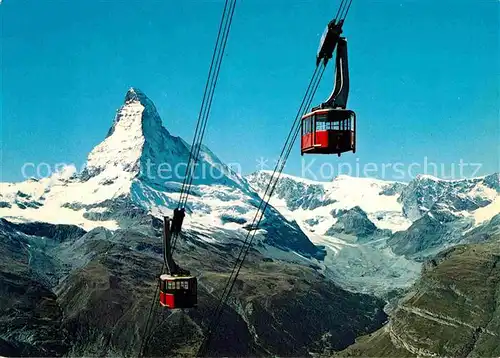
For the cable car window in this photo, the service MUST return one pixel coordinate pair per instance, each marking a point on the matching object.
(320, 125)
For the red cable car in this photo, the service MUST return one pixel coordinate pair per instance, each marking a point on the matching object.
(178, 288)
(330, 128)
(178, 292)
(328, 131)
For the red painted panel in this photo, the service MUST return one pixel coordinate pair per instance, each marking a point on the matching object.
(322, 139)
(307, 141)
(170, 300)
(162, 299)
(167, 299)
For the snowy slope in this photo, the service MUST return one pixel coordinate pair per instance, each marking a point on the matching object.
(138, 158)
(389, 205)
(462, 197)
(315, 206)
(312, 203)
(140, 164)
(361, 221)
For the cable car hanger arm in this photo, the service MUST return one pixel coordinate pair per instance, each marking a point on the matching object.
(329, 41)
(338, 97)
(172, 268)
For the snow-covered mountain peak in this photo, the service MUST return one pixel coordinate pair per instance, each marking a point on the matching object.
(136, 95)
(137, 144)
(462, 195)
(136, 124)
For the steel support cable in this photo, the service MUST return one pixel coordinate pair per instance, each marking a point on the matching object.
(146, 329)
(245, 248)
(343, 10)
(337, 18)
(295, 130)
(272, 185)
(343, 17)
(205, 110)
(209, 107)
(195, 138)
(313, 84)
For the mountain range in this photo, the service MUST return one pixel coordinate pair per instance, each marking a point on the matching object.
(345, 258)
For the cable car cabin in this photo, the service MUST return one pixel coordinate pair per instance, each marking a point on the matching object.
(328, 131)
(178, 292)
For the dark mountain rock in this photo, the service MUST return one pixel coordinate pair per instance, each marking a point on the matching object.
(483, 232)
(288, 236)
(452, 311)
(31, 320)
(429, 234)
(354, 222)
(393, 189)
(100, 305)
(4, 204)
(423, 192)
(493, 181)
(56, 232)
(295, 193)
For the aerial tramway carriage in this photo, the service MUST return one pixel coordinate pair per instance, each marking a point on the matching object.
(330, 128)
(178, 288)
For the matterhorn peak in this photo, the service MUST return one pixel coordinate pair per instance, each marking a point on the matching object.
(136, 95)
(139, 147)
(137, 107)
(136, 124)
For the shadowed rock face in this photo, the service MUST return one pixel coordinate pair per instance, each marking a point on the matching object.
(453, 310)
(424, 192)
(31, 319)
(433, 232)
(353, 222)
(99, 299)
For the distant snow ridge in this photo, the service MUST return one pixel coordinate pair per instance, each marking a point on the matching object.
(376, 232)
(312, 203)
(459, 196)
(389, 205)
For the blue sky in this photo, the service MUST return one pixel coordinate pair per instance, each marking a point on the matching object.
(424, 78)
